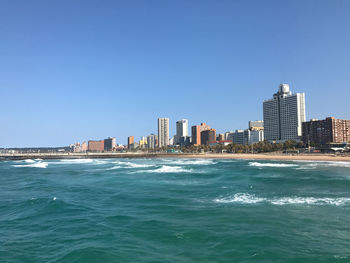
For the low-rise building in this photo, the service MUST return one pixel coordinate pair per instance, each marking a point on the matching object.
(96, 146)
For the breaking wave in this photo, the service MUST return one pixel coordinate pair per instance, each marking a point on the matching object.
(76, 161)
(256, 164)
(35, 165)
(132, 165)
(192, 161)
(314, 164)
(168, 169)
(245, 198)
(240, 198)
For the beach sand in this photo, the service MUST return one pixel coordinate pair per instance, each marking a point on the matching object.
(274, 156)
(261, 156)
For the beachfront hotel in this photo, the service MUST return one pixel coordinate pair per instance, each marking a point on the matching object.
(163, 132)
(284, 115)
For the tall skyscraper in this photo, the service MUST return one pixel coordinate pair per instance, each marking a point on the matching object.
(152, 141)
(284, 115)
(163, 132)
(181, 130)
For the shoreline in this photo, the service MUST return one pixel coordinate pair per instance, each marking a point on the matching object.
(245, 156)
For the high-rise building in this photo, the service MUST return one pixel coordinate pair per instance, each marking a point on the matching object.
(196, 132)
(130, 142)
(96, 146)
(284, 115)
(110, 144)
(208, 137)
(163, 132)
(196, 135)
(152, 141)
(181, 130)
(330, 130)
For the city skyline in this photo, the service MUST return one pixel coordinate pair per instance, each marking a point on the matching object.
(164, 125)
(84, 71)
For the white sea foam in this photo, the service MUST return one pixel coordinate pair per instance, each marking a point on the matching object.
(29, 161)
(132, 165)
(114, 167)
(169, 169)
(137, 165)
(256, 164)
(76, 161)
(338, 164)
(191, 162)
(35, 165)
(96, 161)
(310, 201)
(313, 164)
(245, 198)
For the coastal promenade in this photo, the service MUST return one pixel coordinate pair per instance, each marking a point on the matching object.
(260, 156)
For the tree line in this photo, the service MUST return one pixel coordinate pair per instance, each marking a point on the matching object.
(260, 147)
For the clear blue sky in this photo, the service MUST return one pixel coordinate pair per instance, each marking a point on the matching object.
(79, 70)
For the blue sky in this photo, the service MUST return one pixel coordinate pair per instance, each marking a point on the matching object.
(79, 70)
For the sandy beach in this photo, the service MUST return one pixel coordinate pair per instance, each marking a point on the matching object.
(272, 156)
(261, 156)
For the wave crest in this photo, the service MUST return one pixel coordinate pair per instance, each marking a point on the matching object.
(256, 164)
(245, 198)
(169, 169)
(192, 162)
(35, 165)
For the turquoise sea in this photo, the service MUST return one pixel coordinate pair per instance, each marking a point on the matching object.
(174, 210)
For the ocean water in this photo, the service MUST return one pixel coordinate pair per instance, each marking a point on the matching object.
(174, 210)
